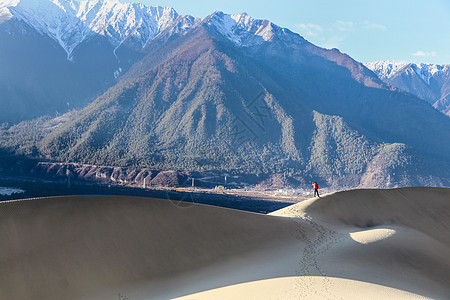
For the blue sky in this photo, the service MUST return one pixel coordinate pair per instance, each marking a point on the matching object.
(368, 30)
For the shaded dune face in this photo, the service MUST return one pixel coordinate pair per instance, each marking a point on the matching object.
(71, 247)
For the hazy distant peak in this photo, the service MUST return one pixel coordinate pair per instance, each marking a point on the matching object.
(387, 69)
(427, 81)
(426, 71)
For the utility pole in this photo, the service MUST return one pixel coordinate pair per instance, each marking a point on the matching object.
(68, 176)
(144, 182)
(192, 181)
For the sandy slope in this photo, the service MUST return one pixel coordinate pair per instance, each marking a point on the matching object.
(291, 288)
(370, 244)
(72, 247)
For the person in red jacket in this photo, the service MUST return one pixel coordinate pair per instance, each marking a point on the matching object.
(316, 189)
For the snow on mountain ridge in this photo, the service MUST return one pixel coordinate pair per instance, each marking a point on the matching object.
(388, 69)
(8, 3)
(49, 18)
(245, 31)
(426, 71)
(385, 69)
(72, 22)
(429, 82)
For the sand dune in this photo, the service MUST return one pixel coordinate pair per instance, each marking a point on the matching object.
(74, 247)
(292, 288)
(364, 243)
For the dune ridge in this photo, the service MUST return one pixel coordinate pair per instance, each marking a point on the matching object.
(376, 243)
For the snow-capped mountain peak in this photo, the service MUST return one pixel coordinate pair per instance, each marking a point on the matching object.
(385, 69)
(72, 22)
(245, 31)
(427, 81)
(388, 69)
(426, 71)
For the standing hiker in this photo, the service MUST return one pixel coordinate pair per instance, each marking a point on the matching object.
(316, 189)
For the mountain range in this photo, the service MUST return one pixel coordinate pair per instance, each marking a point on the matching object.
(430, 82)
(228, 93)
(57, 55)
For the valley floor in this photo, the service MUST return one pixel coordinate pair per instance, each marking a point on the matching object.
(242, 199)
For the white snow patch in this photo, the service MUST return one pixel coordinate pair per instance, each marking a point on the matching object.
(7, 191)
(427, 71)
(387, 69)
(243, 30)
(8, 3)
(5, 14)
(117, 73)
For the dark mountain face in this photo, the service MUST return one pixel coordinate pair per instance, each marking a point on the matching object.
(408, 80)
(184, 113)
(332, 83)
(197, 101)
(443, 105)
